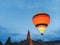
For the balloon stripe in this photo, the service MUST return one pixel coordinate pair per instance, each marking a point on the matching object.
(41, 15)
(41, 24)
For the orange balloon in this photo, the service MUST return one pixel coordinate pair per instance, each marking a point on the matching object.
(41, 20)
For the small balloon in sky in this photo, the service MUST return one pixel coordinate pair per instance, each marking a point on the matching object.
(41, 21)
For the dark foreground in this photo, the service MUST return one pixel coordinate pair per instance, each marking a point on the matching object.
(28, 41)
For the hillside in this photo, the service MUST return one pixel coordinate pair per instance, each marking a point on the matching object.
(29, 41)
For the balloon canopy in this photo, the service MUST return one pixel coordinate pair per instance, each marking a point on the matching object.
(41, 21)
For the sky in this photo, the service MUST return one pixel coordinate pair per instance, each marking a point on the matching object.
(16, 19)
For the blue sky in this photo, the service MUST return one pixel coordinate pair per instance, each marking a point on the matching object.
(16, 18)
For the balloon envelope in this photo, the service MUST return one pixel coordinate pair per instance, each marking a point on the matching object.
(41, 21)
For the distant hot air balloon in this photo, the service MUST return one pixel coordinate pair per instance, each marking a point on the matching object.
(41, 21)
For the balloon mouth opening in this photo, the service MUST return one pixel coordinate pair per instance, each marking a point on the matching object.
(42, 30)
(42, 34)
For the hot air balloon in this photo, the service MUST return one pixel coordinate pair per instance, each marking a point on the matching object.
(41, 21)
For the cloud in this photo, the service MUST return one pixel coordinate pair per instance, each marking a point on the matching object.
(3, 30)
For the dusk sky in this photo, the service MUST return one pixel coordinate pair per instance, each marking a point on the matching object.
(16, 18)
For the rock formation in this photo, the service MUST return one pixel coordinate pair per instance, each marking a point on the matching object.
(29, 39)
(1, 43)
(8, 42)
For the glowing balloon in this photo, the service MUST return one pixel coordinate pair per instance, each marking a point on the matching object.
(41, 21)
